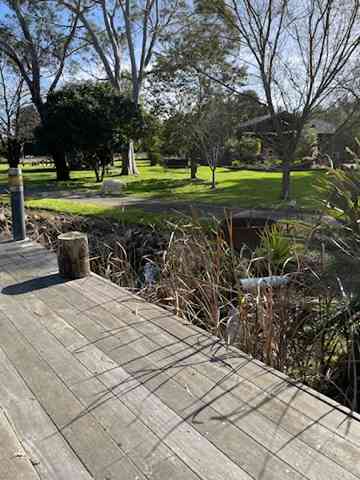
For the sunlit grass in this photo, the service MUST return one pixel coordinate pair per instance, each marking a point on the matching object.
(129, 215)
(249, 189)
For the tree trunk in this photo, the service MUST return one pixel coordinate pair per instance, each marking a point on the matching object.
(62, 169)
(102, 171)
(13, 152)
(97, 173)
(286, 181)
(213, 182)
(58, 154)
(129, 166)
(193, 168)
(132, 160)
(125, 162)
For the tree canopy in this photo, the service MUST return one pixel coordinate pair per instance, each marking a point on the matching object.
(92, 119)
(174, 57)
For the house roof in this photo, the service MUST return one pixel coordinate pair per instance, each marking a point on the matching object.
(321, 126)
(255, 121)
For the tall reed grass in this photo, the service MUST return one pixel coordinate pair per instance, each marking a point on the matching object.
(308, 328)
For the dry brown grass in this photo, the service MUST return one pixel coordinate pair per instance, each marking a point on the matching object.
(307, 329)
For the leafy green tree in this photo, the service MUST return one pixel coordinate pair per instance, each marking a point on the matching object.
(125, 36)
(93, 119)
(152, 138)
(177, 139)
(197, 62)
(39, 38)
(227, 112)
(199, 67)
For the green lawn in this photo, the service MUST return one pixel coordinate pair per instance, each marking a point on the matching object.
(130, 215)
(234, 188)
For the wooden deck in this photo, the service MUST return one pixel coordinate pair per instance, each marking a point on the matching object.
(97, 384)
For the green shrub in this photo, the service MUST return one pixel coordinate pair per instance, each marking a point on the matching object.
(276, 249)
(340, 191)
(249, 146)
(154, 157)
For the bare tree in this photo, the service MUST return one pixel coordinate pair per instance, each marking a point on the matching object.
(124, 35)
(37, 38)
(209, 135)
(298, 52)
(12, 98)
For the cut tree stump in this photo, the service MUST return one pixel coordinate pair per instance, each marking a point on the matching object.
(73, 255)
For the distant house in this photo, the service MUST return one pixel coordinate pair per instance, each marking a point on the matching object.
(263, 127)
(327, 141)
(264, 124)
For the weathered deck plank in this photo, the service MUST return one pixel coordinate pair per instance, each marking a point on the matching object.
(198, 452)
(124, 390)
(172, 395)
(39, 437)
(85, 387)
(255, 384)
(14, 464)
(165, 374)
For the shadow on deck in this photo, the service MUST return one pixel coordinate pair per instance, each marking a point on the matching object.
(95, 383)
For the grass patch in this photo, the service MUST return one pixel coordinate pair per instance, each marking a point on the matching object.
(246, 189)
(130, 215)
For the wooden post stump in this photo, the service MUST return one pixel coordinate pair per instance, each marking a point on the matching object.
(73, 255)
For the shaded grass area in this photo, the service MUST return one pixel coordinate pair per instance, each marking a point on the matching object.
(234, 188)
(129, 215)
(36, 177)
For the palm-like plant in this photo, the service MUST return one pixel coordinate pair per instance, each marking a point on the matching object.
(342, 196)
